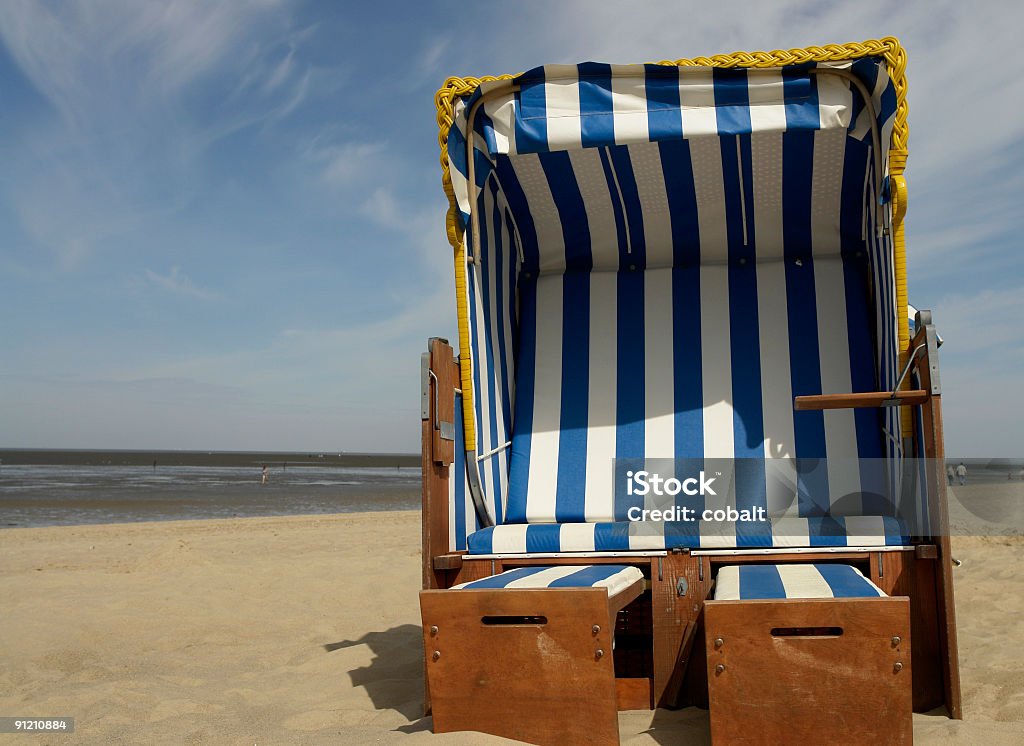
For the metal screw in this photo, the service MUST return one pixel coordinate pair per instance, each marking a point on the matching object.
(436, 655)
(719, 642)
(896, 640)
(599, 654)
(433, 629)
(595, 629)
(720, 668)
(897, 667)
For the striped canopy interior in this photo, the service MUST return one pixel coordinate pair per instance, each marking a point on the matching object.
(667, 256)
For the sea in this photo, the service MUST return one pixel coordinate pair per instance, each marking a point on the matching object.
(73, 487)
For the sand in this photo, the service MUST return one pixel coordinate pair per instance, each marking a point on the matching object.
(305, 630)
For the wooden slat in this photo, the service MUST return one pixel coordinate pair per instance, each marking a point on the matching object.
(768, 689)
(857, 401)
(442, 363)
(451, 561)
(551, 683)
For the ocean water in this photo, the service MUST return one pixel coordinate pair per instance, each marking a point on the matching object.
(119, 486)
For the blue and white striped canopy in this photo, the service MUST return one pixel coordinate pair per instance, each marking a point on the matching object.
(666, 257)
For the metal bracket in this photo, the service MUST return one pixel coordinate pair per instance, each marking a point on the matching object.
(682, 587)
(425, 374)
(447, 430)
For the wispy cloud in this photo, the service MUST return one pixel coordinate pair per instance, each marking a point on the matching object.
(176, 281)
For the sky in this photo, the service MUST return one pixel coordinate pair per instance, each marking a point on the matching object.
(222, 224)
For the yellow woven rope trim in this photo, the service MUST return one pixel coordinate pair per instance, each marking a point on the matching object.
(888, 48)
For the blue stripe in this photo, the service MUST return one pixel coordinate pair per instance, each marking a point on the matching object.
(520, 209)
(481, 541)
(543, 537)
(504, 255)
(597, 123)
(732, 101)
(586, 577)
(802, 309)
(519, 462)
(800, 94)
(630, 364)
(681, 192)
(744, 345)
(825, 531)
(760, 581)
(572, 213)
(688, 371)
(617, 210)
(459, 475)
(634, 210)
(503, 579)
(488, 256)
(531, 123)
(664, 114)
(614, 537)
(572, 436)
(845, 582)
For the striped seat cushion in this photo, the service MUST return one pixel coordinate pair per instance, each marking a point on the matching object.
(625, 536)
(745, 582)
(615, 578)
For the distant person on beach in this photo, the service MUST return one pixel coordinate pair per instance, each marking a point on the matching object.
(154, 464)
(1021, 474)
(263, 480)
(950, 474)
(961, 473)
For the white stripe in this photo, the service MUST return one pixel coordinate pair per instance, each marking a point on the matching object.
(542, 579)
(562, 107)
(766, 154)
(766, 94)
(599, 501)
(650, 184)
(834, 356)
(791, 532)
(645, 536)
(717, 535)
(542, 207)
(865, 531)
(547, 404)
(509, 539)
(803, 581)
(629, 104)
(727, 583)
(620, 581)
(697, 101)
(835, 102)
(593, 186)
(501, 112)
(716, 362)
(576, 537)
(659, 383)
(826, 191)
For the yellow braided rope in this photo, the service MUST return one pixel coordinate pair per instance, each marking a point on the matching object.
(888, 48)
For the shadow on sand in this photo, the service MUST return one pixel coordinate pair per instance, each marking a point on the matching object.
(394, 678)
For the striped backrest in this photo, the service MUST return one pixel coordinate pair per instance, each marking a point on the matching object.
(662, 266)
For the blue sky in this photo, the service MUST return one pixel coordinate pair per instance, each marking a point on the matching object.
(221, 224)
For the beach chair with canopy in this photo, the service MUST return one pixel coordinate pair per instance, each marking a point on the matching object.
(698, 267)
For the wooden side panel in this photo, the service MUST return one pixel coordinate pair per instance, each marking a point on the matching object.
(934, 448)
(552, 683)
(904, 574)
(443, 403)
(797, 687)
(435, 462)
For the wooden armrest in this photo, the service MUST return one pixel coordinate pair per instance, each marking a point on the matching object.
(856, 401)
(451, 561)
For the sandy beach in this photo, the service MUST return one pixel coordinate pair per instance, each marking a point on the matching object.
(305, 630)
